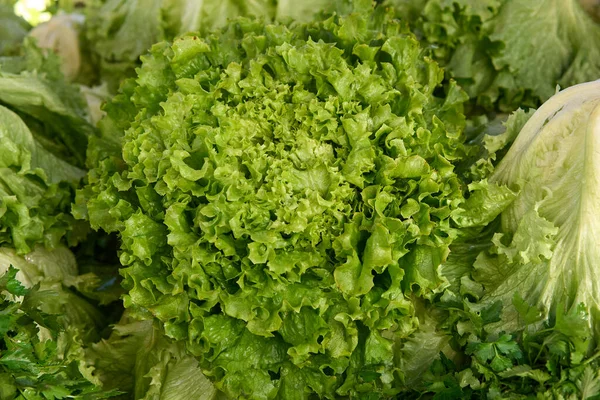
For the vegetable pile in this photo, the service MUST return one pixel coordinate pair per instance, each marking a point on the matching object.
(266, 200)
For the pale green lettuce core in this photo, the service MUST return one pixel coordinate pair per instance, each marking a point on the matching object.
(548, 247)
(139, 359)
(278, 189)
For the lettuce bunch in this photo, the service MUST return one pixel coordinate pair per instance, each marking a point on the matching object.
(282, 193)
(522, 307)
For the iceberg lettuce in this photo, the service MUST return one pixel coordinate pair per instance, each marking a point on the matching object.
(546, 249)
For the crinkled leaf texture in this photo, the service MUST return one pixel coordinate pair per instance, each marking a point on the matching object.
(278, 189)
(547, 249)
(44, 327)
(510, 53)
(120, 31)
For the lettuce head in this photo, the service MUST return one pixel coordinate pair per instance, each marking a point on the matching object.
(547, 248)
(44, 131)
(281, 192)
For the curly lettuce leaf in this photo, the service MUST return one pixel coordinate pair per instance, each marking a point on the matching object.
(510, 53)
(120, 31)
(43, 330)
(44, 129)
(277, 190)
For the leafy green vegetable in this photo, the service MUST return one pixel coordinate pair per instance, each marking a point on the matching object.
(528, 363)
(546, 247)
(510, 53)
(36, 189)
(54, 274)
(417, 354)
(302, 207)
(139, 359)
(44, 134)
(13, 30)
(120, 31)
(61, 35)
(43, 330)
(521, 313)
(33, 86)
(45, 320)
(277, 189)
